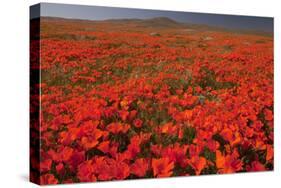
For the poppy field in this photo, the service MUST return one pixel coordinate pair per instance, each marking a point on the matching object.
(130, 99)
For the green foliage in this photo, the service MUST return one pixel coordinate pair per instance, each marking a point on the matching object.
(209, 80)
(217, 137)
(122, 139)
(93, 152)
(212, 169)
(208, 154)
(189, 133)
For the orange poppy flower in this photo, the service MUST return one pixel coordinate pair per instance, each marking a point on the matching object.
(198, 164)
(162, 167)
(91, 141)
(228, 163)
(269, 152)
(116, 128)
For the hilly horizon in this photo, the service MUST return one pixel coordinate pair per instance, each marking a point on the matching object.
(165, 22)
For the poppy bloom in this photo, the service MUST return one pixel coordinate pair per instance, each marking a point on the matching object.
(104, 146)
(116, 128)
(176, 153)
(162, 167)
(228, 163)
(139, 167)
(77, 158)
(255, 167)
(268, 114)
(60, 169)
(86, 172)
(137, 123)
(45, 165)
(122, 171)
(269, 153)
(48, 179)
(198, 164)
(89, 142)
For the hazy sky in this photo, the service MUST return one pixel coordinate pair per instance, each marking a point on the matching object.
(103, 13)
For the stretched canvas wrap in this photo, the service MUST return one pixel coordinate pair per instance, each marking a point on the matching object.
(120, 93)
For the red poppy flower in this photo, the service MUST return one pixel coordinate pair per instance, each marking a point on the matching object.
(60, 169)
(45, 165)
(137, 123)
(255, 167)
(85, 172)
(268, 114)
(48, 179)
(139, 167)
(116, 128)
(122, 170)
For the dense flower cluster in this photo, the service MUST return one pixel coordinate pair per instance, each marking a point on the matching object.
(120, 102)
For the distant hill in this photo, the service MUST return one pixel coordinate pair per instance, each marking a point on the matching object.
(157, 22)
(161, 22)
